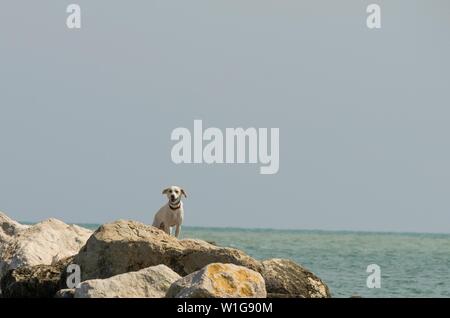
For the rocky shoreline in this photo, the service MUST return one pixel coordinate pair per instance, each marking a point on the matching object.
(130, 259)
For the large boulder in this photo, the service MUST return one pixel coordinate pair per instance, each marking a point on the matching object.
(39, 281)
(125, 246)
(151, 282)
(220, 281)
(44, 243)
(285, 278)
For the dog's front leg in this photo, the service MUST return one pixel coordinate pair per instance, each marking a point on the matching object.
(177, 230)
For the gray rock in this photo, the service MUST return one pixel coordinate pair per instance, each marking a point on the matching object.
(220, 281)
(151, 282)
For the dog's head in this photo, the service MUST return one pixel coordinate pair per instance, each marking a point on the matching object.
(174, 193)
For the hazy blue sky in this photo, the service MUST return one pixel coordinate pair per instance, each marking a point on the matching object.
(364, 116)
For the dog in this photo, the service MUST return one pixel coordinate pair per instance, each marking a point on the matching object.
(172, 213)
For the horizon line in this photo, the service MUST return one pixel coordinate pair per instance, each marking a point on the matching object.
(275, 229)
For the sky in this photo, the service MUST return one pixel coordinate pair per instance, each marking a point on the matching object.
(364, 119)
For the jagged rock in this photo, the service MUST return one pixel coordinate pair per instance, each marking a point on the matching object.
(287, 279)
(151, 282)
(33, 281)
(220, 281)
(125, 246)
(43, 243)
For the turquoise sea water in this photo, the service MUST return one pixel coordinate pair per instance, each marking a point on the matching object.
(412, 265)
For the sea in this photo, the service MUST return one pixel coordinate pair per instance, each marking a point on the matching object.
(410, 264)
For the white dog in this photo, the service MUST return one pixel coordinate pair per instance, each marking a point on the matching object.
(171, 214)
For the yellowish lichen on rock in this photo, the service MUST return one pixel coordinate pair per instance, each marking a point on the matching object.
(226, 279)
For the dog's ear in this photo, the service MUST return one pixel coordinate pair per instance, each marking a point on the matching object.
(183, 193)
(165, 191)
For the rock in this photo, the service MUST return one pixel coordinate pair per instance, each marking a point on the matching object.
(151, 282)
(285, 278)
(125, 246)
(43, 243)
(33, 281)
(65, 293)
(34, 259)
(8, 229)
(220, 281)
